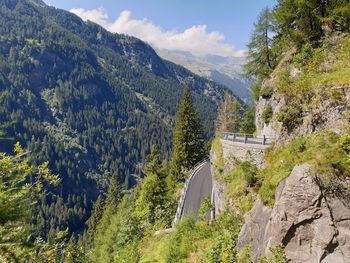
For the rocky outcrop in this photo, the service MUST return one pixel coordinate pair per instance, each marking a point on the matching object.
(328, 115)
(312, 225)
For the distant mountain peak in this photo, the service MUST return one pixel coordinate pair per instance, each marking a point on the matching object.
(224, 70)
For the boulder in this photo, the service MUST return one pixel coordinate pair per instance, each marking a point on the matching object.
(312, 225)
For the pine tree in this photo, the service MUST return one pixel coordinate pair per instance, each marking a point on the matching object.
(188, 139)
(114, 195)
(93, 222)
(153, 161)
(73, 252)
(261, 58)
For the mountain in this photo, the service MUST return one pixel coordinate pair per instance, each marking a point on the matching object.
(224, 70)
(89, 102)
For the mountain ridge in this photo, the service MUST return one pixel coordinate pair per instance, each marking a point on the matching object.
(71, 92)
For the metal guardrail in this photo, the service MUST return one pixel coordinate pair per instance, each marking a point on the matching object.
(180, 207)
(247, 138)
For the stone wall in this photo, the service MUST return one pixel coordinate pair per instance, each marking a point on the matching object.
(243, 152)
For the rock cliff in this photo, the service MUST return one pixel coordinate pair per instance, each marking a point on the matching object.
(312, 224)
(309, 218)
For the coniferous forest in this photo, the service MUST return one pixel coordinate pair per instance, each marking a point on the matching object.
(88, 102)
(98, 135)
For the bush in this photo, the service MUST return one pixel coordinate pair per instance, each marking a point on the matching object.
(305, 55)
(266, 92)
(290, 116)
(249, 171)
(267, 114)
(278, 256)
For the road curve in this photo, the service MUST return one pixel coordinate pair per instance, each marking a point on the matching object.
(199, 188)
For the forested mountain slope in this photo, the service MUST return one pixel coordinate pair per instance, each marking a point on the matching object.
(88, 101)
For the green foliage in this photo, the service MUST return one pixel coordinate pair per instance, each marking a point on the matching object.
(339, 14)
(255, 90)
(22, 184)
(205, 208)
(278, 256)
(320, 149)
(153, 161)
(92, 223)
(85, 99)
(117, 234)
(149, 200)
(219, 160)
(300, 20)
(74, 252)
(247, 124)
(188, 139)
(266, 92)
(261, 58)
(240, 186)
(223, 243)
(244, 255)
(267, 114)
(290, 115)
(344, 143)
(305, 54)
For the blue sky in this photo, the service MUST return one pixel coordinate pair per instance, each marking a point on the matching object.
(220, 26)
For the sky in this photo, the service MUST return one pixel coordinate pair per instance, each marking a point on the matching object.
(201, 27)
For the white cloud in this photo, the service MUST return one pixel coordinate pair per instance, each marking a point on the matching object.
(195, 39)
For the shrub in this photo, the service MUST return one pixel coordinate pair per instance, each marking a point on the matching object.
(267, 114)
(305, 55)
(266, 92)
(290, 115)
(278, 256)
(205, 208)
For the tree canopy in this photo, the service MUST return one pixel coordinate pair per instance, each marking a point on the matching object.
(188, 144)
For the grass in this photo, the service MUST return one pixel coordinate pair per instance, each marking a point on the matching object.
(319, 74)
(219, 163)
(241, 192)
(320, 149)
(194, 241)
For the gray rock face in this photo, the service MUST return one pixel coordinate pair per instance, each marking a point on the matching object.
(311, 225)
(327, 115)
(253, 231)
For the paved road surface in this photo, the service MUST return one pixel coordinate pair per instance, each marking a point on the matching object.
(199, 188)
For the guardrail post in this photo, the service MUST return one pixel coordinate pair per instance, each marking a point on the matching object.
(245, 138)
(234, 137)
(264, 140)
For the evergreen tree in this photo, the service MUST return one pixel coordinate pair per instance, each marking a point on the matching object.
(74, 252)
(261, 58)
(153, 161)
(20, 188)
(114, 195)
(188, 145)
(93, 222)
(301, 20)
(247, 124)
(339, 14)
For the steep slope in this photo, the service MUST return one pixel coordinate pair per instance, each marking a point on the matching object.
(303, 191)
(88, 101)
